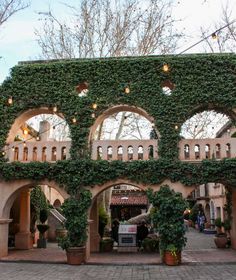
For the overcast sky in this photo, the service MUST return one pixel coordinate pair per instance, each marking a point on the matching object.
(17, 39)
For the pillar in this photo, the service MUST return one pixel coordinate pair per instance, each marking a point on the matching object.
(4, 237)
(233, 230)
(94, 235)
(23, 237)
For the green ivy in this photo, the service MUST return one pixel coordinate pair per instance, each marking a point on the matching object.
(202, 82)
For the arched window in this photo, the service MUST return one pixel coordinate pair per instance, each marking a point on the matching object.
(130, 151)
(207, 151)
(109, 153)
(150, 152)
(54, 154)
(186, 151)
(197, 151)
(16, 154)
(25, 154)
(99, 152)
(140, 152)
(44, 154)
(63, 153)
(120, 153)
(34, 153)
(228, 150)
(57, 203)
(217, 151)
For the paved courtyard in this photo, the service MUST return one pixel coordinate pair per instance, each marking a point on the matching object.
(201, 261)
(25, 271)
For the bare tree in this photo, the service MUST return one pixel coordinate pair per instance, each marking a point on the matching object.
(9, 7)
(224, 40)
(203, 125)
(102, 28)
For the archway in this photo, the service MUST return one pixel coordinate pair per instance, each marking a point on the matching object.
(39, 134)
(19, 189)
(125, 133)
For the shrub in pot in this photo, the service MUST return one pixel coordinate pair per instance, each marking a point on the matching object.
(106, 244)
(169, 220)
(220, 238)
(75, 210)
(42, 228)
(150, 245)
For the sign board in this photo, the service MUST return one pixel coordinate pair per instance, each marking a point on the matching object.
(127, 229)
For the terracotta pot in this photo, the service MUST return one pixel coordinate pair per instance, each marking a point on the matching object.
(61, 232)
(75, 255)
(172, 258)
(221, 241)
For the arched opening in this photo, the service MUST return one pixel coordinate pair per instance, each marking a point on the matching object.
(44, 153)
(63, 153)
(99, 152)
(117, 205)
(120, 153)
(228, 150)
(57, 203)
(22, 207)
(204, 134)
(109, 153)
(54, 154)
(124, 126)
(34, 129)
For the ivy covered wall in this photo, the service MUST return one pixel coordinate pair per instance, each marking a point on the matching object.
(204, 81)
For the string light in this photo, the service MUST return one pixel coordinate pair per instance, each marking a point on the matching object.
(74, 120)
(94, 106)
(165, 67)
(24, 143)
(214, 36)
(93, 115)
(176, 127)
(127, 90)
(54, 109)
(25, 131)
(10, 100)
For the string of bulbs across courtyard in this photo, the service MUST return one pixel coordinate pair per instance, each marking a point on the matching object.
(165, 68)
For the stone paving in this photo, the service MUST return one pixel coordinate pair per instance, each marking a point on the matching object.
(29, 271)
(201, 261)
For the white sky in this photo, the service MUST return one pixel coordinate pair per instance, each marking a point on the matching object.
(17, 39)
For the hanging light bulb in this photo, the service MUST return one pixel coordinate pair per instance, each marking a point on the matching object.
(13, 148)
(94, 106)
(54, 109)
(24, 143)
(93, 115)
(10, 100)
(127, 90)
(74, 120)
(37, 138)
(165, 67)
(3, 153)
(176, 127)
(25, 131)
(214, 36)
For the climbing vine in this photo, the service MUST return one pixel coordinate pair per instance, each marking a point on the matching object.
(201, 82)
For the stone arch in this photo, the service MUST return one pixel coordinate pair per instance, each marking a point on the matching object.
(23, 117)
(11, 189)
(57, 203)
(93, 238)
(116, 109)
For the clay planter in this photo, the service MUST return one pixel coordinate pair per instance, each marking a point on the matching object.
(221, 240)
(172, 258)
(75, 255)
(61, 232)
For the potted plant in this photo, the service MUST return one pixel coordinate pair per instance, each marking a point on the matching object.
(220, 238)
(170, 222)
(150, 245)
(75, 210)
(42, 228)
(106, 244)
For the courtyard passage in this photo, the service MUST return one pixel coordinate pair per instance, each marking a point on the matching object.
(200, 248)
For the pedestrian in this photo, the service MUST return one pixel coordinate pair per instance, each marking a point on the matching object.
(142, 233)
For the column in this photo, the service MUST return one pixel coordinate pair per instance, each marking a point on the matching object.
(233, 230)
(94, 235)
(23, 237)
(4, 237)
